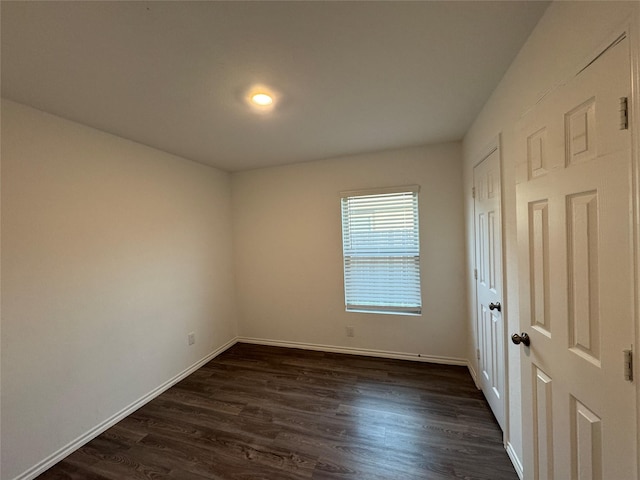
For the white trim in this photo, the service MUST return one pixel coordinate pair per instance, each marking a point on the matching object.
(380, 191)
(72, 446)
(472, 372)
(517, 464)
(633, 32)
(416, 357)
(506, 435)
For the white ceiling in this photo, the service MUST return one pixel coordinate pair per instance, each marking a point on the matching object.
(350, 77)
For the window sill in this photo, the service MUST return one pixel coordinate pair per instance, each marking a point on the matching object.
(384, 312)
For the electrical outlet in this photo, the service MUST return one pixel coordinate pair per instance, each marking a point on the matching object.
(350, 332)
(192, 338)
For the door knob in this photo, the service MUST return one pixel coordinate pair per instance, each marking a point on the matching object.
(495, 306)
(522, 338)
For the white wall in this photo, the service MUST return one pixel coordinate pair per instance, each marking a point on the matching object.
(565, 37)
(111, 253)
(288, 252)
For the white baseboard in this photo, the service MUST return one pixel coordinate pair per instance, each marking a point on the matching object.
(517, 464)
(417, 357)
(72, 446)
(474, 375)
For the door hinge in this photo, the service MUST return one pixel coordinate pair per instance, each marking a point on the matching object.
(473, 192)
(624, 113)
(475, 273)
(628, 365)
(478, 354)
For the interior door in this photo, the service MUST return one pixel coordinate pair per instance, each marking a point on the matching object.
(488, 245)
(576, 277)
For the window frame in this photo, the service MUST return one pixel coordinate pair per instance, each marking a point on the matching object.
(414, 256)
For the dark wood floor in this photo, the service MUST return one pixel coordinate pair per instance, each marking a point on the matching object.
(259, 412)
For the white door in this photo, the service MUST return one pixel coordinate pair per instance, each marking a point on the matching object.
(488, 240)
(576, 277)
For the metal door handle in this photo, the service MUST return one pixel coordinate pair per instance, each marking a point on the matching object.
(522, 338)
(495, 306)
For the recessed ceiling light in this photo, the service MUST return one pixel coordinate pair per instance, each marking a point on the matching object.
(262, 99)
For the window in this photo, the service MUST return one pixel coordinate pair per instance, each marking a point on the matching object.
(381, 250)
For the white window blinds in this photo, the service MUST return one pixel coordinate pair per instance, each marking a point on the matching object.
(381, 249)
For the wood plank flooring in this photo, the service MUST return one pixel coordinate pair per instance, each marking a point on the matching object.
(258, 412)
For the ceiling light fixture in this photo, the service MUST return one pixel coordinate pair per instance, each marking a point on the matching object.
(262, 99)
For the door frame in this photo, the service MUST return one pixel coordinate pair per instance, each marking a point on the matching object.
(632, 29)
(492, 146)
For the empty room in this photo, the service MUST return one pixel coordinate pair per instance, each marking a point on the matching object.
(319, 240)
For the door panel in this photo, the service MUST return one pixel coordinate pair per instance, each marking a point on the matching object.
(491, 334)
(543, 425)
(576, 277)
(539, 261)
